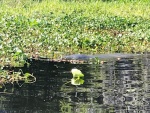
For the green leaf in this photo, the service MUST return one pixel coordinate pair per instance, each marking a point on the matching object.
(77, 73)
(77, 81)
(26, 75)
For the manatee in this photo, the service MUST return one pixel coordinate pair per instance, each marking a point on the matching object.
(78, 57)
(100, 56)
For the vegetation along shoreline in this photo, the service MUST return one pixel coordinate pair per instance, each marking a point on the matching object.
(54, 28)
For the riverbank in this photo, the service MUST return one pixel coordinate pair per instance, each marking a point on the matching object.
(52, 28)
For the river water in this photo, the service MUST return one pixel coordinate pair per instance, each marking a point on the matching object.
(118, 86)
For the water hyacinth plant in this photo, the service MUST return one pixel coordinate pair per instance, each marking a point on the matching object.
(8, 77)
(77, 73)
(45, 27)
(77, 77)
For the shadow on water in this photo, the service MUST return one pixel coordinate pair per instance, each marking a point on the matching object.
(119, 86)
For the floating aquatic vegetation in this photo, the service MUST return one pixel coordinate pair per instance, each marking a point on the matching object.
(77, 77)
(41, 34)
(77, 73)
(10, 77)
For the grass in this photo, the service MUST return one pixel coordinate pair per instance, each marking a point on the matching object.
(124, 8)
(32, 28)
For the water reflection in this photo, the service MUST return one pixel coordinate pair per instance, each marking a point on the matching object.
(119, 86)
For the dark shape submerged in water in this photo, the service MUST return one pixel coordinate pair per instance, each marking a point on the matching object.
(78, 57)
(100, 56)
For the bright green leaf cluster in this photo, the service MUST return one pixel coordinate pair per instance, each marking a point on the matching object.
(77, 77)
(77, 73)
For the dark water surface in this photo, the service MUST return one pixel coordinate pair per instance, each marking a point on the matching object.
(119, 86)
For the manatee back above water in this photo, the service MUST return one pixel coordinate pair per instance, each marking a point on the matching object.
(78, 57)
(100, 56)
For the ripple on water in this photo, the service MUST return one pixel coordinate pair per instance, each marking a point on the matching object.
(118, 86)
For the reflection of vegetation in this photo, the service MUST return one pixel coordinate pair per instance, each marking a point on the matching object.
(7, 77)
(68, 107)
(2, 100)
(77, 81)
(65, 107)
